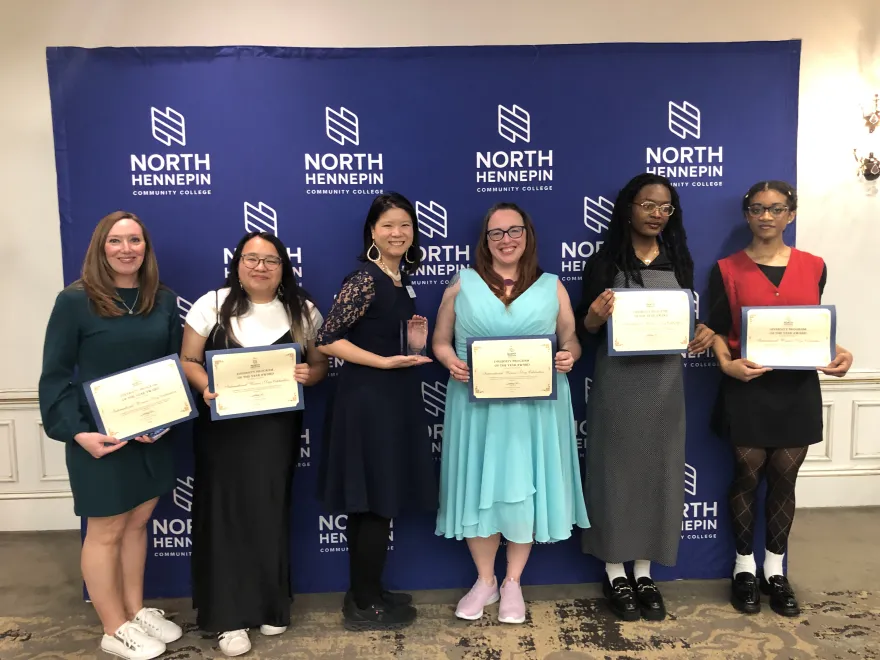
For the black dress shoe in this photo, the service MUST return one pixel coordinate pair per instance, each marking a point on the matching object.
(650, 600)
(782, 600)
(396, 599)
(376, 616)
(621, 598)
(744, 594)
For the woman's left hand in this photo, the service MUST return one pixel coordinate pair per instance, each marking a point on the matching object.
(148, 439)
(703, 339)
(564, 362)
(301, 372)
(839, 365)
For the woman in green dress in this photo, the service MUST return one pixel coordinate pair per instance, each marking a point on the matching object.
(115, 317)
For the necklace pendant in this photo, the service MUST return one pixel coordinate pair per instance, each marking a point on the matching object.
(129, 312)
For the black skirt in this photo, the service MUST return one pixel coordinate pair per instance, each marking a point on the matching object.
(779, 409)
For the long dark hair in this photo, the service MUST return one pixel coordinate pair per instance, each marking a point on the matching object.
(779, 186)
(290, 293)
(617, 252)
(528, 263)
(384, 202)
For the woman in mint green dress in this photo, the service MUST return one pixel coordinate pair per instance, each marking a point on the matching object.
(509, 468)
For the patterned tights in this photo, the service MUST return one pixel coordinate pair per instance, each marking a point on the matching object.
(781, 466)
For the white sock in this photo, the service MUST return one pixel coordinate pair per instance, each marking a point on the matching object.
(772, 564)
(642, 568)
(745, 564)
(615, 571)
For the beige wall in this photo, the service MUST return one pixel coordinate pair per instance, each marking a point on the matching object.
(840, 65)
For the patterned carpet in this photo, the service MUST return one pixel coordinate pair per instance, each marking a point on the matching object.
(834, 625)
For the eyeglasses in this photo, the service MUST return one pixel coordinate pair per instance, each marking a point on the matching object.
(498, 234)
(252, 261)
(757, 210)
(650, 207)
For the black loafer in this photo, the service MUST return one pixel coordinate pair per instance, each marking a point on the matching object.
(650, 599)
(376, 616)
(744, 594)
(395, 599)
(782, 600)
(621, 598)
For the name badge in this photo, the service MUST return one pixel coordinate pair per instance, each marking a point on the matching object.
(411, 291)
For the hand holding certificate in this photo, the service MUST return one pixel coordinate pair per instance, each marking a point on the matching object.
(254, 381)
(142, 401)
(801, 337)
(651, 321)
(511, 368)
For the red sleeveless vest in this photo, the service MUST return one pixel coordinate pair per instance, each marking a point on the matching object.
(747, 286)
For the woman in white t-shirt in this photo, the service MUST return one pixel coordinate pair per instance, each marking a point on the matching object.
(244, 466)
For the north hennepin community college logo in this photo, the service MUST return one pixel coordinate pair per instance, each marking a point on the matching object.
(432, 219)
(261, 217)
(183, 307)
(597, 213)
(434, 397)
(684, 120)
(183, 493)
(342, 126)
(690, 480)
(514, 123)
(168, 126)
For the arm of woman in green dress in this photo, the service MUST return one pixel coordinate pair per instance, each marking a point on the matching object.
(352, 302)
(59, 396)
(444, 331)
(568, 347)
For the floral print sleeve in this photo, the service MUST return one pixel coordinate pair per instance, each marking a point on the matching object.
(351, 303)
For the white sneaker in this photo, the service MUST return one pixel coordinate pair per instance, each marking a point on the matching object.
(132, 643)
(235, 642)
(155, 624)
(272, 630)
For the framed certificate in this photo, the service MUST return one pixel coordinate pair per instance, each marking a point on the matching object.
(254, 381)
(512, 368)
(796, 337)
(651, 321)
(144, 400)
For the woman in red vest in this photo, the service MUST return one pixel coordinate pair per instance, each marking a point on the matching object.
(770, 417)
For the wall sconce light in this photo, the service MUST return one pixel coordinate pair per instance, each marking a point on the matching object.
(869, 166)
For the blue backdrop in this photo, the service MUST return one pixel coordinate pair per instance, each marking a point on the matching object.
(206, 143)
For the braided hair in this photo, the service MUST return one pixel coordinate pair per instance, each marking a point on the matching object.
(617, 252)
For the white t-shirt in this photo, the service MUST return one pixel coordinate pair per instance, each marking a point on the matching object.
(263, 324)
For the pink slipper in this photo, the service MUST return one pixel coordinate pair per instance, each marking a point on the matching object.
(481, 594)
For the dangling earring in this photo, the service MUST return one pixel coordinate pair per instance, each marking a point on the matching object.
(378, 257)
(406, 256)
(279, 291)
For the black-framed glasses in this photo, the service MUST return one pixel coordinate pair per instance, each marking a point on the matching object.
(252, 261)
(776, 210)
(650, 207)
(497, 234)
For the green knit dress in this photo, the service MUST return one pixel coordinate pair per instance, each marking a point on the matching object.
(81, 346)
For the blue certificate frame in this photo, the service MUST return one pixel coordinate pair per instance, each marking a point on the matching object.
(257, 349)
(470, 362)
(744, 324)
(668, 351)
(157, 430)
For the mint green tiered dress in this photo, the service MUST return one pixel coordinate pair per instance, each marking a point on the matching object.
(508, 466)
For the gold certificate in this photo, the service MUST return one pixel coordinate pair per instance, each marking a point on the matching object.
(138, 400)
(512, 368)
(789, 337)
(253, 382)
(651, 321)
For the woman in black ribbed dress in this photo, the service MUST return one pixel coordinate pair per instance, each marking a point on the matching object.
(376, 453)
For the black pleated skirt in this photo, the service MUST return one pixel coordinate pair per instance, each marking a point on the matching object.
(241, 520)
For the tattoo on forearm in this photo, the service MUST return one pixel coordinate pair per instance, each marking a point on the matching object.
(187, 358)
